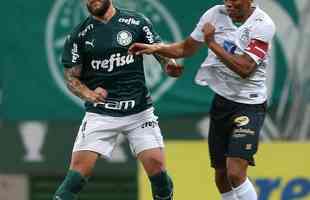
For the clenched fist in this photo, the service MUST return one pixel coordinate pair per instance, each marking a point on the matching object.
(173, 69)
(102, 92)
(96, 96)
(208, 32)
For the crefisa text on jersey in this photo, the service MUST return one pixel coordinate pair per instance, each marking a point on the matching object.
(114, 60)
(149, 34)
(129, 21)
(74, 51)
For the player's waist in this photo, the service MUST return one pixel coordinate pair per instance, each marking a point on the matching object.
(117, 105)
(243, 97)
(229, 103)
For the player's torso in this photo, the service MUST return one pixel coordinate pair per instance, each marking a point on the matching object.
(107, 64)
(235, 39)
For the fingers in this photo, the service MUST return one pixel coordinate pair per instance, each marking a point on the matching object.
(137, 48)
(140, 48)
(100, 94)
(175, 70)
(96, 98)
(133, 48)
(208, 31)
(101, 91)
(209, 28)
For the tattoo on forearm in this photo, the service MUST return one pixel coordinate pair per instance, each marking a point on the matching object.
(72, 76)
(162, 60)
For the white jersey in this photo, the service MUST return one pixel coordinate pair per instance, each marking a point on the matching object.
(254, 38)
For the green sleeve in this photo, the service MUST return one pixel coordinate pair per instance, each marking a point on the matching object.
(149, 35)
(72, 52)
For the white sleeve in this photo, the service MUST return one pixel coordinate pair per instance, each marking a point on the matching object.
(264, 32)
(260, 42)
(197, 34)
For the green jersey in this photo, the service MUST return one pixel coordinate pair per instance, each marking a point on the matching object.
(102, 50)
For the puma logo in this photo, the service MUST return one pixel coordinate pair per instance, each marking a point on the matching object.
(90, 43)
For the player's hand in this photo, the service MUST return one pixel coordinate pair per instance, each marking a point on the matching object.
(174, 69)
(96, 96)
(140, 48)
(208, 31)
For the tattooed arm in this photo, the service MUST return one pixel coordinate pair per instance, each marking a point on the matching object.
(72, 78)
(163, 60)
(169, 65)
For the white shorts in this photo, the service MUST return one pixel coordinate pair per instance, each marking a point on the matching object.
(98, 133)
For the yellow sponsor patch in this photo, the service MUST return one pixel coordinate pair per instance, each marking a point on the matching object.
(241, 121)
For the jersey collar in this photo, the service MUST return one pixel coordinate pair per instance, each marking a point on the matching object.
(238, 24)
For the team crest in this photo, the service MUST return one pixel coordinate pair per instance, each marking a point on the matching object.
(124, 38)
(245, 36)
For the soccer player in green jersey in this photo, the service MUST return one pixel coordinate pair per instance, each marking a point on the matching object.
(99, 70)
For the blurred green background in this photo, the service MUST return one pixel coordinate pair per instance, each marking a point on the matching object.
(39, 117)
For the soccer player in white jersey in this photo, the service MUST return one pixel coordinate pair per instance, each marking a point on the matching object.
(239, 36)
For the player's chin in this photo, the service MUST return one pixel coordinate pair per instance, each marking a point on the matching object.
(97, 11)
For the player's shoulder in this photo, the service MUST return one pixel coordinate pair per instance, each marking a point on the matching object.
(262, 19)
(131, 16)
(82, 28)
(218, 8)
(214, 12)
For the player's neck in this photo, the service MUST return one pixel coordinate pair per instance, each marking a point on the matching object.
(108, 15)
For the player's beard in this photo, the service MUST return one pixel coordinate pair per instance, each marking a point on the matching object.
(101, 11)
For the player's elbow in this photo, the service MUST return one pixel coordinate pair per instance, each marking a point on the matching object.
(71, 84)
